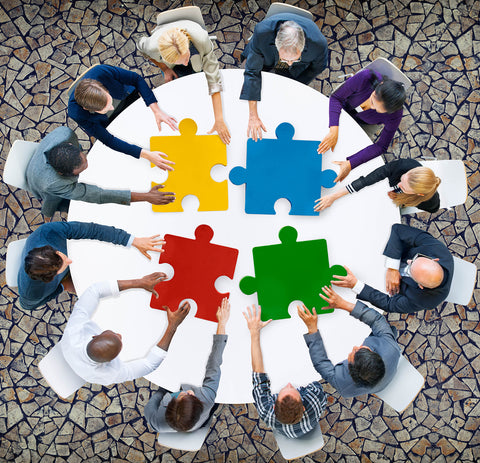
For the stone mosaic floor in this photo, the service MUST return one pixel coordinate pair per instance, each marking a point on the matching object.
(44, 45)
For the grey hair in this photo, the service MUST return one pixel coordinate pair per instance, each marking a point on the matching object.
(290, 37)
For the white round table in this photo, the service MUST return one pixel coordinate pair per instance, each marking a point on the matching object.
(356, 229)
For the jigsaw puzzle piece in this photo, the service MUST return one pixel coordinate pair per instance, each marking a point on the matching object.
(197, 264)
(282, 168)
(194, 156)
(290, 271)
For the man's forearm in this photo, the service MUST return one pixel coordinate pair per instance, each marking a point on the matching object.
(167, 337)
(257, 358)
(137, 197)
(129, 284)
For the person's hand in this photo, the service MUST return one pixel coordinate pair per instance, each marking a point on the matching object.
(177, 317)
(169, 74)
(345, 169)
(160, 198)
(329, 141)
(148, 244)
(392, 281)
(255, 127)
(160, 117)
(223, 314)
(324, 202)
(309, 318)
(221, 128)
(254, 321)
(157, 158)
(345, 282)
(334, 300)
(148, 282)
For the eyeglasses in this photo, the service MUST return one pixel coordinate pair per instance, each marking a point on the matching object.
(289, 61)
(408, 268)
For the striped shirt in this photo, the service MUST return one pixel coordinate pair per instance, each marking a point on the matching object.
(313, 399)
(351, 189)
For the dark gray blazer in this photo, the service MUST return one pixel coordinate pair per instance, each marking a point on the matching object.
(157, 405)
(54, 189)
(382, 341)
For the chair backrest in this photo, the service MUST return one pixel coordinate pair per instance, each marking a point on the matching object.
(386, 68)
(404, 387)
(188, 441)
(17, 161)
(191, 13)
(301, 446)
(463, 282)
(453, 189)
(14, 261)
(276, 8)
(58, 373)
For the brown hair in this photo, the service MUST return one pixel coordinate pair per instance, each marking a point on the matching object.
(423, 181)
(289, 410)
(172, 44)
(91, 95)
(183, 413)
(42, 264)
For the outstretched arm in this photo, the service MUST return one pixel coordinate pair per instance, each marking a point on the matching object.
(255, 325)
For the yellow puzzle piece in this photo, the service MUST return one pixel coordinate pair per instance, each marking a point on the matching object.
(194, 156)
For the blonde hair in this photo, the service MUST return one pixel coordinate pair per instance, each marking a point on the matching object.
(172, 44)
(91, 95)
(422, 181)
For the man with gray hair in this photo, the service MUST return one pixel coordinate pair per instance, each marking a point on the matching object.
(287, 44)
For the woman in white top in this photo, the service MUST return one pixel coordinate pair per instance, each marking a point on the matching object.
(181, 48)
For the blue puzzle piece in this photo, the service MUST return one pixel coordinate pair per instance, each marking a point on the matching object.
(282, 168)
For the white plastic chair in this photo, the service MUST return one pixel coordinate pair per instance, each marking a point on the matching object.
(188, 441)
(17, 161)
(463, 282)
(386, 68)
(453, 189)
(14, 262)
(404, 387)
(277, 8)
(190, 13)
(58, 373)
(300, 446)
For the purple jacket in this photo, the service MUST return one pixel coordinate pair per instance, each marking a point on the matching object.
(353, 93)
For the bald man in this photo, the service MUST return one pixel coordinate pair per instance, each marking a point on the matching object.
(419, 273)
(93, 353)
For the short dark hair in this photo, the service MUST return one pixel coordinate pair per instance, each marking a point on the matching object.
(183, 413)
(391, 93)
(289, 410)
(367, 368)
(42, 263)
(64, 158)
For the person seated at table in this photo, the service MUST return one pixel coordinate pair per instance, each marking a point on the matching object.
(419, 273)
(369, 368)
(292, 412)
(413, 186)
(289, 45)
(52, 176)
(93, 354)
(189, 408)
(94, 98)
(45, 271)
(181, 48)
(369, 98)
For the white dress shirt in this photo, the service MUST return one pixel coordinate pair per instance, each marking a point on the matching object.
(78, 333)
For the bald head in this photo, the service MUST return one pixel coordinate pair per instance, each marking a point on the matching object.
(104, 347)
(427, 272)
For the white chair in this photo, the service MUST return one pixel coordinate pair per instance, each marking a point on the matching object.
(453, 189)
(300, 446)
(17, 161)
(58, 373)
(14, 262)
(190, 13)
(463, 282)
(386, 68)
(276, 8)
(188, 441)
(404, 387)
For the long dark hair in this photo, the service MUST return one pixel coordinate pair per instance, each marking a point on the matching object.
(389, 92)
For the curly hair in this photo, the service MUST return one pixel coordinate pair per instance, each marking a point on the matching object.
(64, 158)
(288, 410)
(43, 264)
(367, 368)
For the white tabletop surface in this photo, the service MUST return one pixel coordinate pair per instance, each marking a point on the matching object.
(356, 228)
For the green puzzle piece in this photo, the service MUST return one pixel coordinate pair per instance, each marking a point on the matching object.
(290, 271)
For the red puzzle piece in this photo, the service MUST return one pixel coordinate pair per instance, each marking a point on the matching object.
(197, 264)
